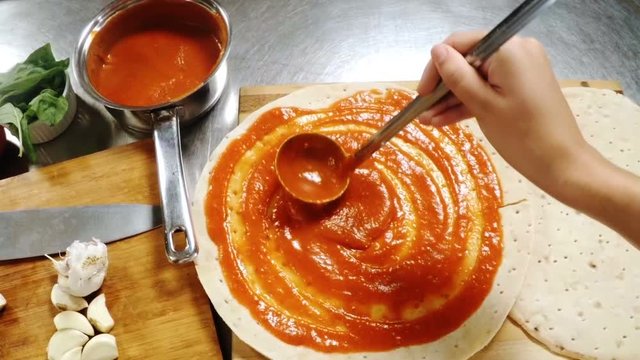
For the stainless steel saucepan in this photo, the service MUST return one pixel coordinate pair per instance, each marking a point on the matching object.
(164, 120)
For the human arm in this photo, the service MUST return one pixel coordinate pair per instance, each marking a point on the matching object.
(521, 110)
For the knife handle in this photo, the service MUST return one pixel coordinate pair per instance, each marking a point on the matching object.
(173, 192)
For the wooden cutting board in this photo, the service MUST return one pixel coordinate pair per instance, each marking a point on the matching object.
(160, 309)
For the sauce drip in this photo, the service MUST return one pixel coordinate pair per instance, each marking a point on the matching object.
(155, 52)
(404, 257)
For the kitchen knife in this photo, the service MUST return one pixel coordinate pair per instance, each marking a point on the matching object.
(224, 334)
(27, 233)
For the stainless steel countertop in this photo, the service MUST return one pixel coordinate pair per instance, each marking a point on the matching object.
(308, 41)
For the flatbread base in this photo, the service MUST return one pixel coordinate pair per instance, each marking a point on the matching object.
(472, 336)
(581, 295)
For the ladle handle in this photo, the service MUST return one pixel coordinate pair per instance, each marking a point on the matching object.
(173, 192)
(419, 105)
(505, 30)
(489, 44)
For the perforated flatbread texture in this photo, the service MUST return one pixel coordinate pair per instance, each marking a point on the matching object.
(581, 295)
(473, 335)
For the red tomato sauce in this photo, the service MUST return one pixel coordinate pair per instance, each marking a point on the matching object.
(311, 167)
(381, 266)
(155, 53)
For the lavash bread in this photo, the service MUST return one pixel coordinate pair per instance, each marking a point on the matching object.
(581, 295)
(473, 335)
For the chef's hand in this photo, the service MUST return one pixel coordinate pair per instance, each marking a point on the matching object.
(515, 97)
(521, 110)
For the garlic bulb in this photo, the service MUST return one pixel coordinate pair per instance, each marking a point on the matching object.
(83, 268)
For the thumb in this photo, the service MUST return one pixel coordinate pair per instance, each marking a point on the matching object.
(461, 78)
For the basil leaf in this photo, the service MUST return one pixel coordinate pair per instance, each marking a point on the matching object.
(42, 57)
(11, 115)
(26, 139)
(47, 107)
(26, 80)
(32, 90)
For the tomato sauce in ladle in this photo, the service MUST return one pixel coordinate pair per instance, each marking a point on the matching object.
(312, 168)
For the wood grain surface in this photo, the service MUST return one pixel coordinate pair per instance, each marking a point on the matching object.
(253, 97)
(160, 309)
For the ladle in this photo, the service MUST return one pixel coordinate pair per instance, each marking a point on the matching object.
(315, 169)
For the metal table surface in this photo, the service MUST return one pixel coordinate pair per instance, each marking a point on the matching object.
(278, 41)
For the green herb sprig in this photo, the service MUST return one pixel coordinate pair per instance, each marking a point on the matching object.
(30, 91)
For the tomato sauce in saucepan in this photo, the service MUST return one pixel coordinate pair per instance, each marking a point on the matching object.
(155, 53)
(404, 257)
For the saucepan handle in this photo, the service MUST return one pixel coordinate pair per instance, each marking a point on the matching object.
(175, 203)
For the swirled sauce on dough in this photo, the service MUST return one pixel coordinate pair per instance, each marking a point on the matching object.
(404, 257)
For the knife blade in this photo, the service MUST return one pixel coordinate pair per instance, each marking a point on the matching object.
(223, 333)
(27, 233)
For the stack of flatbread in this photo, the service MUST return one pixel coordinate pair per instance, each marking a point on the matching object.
(580, 294)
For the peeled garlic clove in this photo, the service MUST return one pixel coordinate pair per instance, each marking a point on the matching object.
(64, 301)
(3, 302)
(98, 314)
(83, 268)
(73, 354)
(101, 347)
(63, 341)
(73, 320)
(63, 281)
